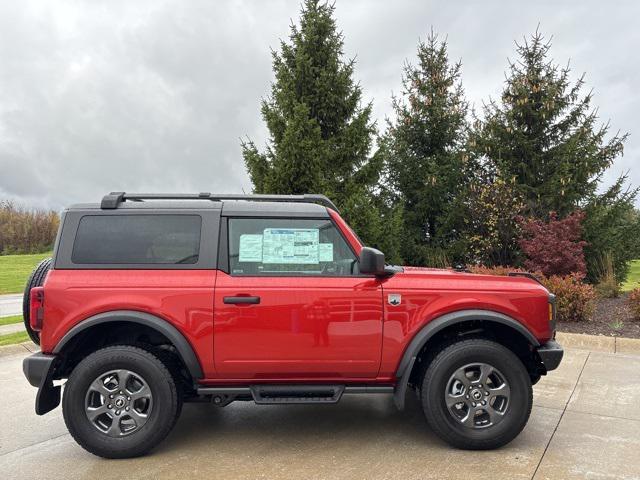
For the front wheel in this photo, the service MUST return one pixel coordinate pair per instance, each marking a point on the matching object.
(476, 394)
(120, 402)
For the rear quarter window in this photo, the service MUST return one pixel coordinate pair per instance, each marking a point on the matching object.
(137, 239)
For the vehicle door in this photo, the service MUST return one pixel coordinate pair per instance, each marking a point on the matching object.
(290, 302)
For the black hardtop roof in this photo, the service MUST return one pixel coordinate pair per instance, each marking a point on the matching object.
(152, 205)
(230, 204)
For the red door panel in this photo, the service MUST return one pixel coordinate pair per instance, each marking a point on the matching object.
(302, 327)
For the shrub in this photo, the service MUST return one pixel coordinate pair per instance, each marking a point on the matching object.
(492, 207)
(574, 298)
(554, 247)
(499, 270)
(607, 286)
(634, 303)
(436, 258)
(26, 231)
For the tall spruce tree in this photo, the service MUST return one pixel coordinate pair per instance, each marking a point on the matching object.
(320, 133)
(545, 138)
(423, 147)
(544, 133)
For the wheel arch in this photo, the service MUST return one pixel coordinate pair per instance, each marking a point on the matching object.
(468, 321)
(147, 320)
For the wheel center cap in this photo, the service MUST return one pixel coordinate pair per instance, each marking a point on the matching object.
(476, 394)
(119, 402)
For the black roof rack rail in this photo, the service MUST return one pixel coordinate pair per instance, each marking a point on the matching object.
(113, 199)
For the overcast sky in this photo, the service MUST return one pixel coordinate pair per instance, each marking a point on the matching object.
(154, 95)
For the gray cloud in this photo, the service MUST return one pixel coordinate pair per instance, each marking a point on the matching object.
(154, 96)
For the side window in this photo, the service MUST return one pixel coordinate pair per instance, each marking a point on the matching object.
(275, 246)
(137, 239)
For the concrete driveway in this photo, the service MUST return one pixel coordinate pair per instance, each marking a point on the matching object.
(10, 305)
(585, 424)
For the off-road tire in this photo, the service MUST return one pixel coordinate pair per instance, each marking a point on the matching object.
(167, 403)
(435, 382)
(36, 279)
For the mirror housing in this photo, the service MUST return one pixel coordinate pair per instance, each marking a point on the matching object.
(371, 261)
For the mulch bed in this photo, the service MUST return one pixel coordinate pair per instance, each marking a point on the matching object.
(612, 317)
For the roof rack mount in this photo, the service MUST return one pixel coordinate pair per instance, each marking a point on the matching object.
(113, 199)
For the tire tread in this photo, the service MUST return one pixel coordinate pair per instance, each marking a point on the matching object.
(96, 359)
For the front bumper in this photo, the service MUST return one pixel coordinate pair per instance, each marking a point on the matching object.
(39, 369)
(550, 354)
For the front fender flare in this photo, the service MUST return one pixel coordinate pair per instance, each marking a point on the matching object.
(160, 325)
(403, 372)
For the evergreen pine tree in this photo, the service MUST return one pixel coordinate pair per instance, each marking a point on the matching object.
(544, 137)
(544, 134)
(320, 133)
(424, 153)
(612, 226)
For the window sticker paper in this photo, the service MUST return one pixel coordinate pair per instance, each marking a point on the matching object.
(250, 248)
(325, 252)
(290, 245)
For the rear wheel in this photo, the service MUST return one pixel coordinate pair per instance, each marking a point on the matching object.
(120, 402)
(476, 394)
(36, 279)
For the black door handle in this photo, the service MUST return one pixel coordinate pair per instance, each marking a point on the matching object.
(241, 300)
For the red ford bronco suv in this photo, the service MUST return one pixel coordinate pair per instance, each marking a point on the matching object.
(154, 300)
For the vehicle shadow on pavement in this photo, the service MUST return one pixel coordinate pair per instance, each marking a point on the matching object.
(365, 418)
(361, 437)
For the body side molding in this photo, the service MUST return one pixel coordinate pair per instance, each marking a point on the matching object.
(162, 326)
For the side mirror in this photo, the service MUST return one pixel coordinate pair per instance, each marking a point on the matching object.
(371, 261)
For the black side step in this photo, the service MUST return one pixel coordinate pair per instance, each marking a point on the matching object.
(270, 394)
(281, 394)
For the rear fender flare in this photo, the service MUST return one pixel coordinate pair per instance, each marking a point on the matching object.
(162, 326)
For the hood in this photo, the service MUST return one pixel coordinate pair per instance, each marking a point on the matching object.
(447, 279)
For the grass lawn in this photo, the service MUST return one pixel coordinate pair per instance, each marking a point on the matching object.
(12, 338)
(15, 270)
(10, 320)
(633, 280)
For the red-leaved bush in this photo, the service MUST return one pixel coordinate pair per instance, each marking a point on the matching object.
(634, 302)
(574, 298)
(554, 247)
